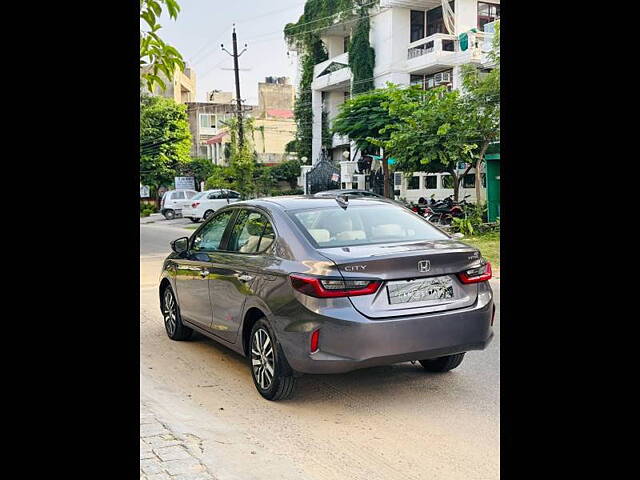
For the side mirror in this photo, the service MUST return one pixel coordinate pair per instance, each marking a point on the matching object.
(457, 235)
(180, 245)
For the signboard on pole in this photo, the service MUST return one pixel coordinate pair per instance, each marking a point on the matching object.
(144, 191)
(185, 183)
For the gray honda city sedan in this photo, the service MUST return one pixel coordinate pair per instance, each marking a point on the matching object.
(325, 285)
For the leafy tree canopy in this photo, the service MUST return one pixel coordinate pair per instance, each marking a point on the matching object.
(156, 56)
(165, 140)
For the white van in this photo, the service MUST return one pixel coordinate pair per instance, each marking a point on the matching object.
(174, 201)
(205, 203)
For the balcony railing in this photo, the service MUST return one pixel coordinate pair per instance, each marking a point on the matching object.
(436, 43)
(342, 59)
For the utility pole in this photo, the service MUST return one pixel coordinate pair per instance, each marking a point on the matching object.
(235, 56)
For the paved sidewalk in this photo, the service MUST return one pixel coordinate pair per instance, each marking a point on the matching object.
(166, 455)
(154, 217)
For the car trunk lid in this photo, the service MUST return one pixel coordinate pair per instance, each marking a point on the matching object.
(418, 277)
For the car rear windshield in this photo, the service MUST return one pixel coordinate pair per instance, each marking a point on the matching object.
(364, 225)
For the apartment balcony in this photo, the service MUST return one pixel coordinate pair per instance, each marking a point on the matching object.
(332, 74)
(413, 4)
(441, 51)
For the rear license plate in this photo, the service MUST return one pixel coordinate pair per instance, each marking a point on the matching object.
(422, 290)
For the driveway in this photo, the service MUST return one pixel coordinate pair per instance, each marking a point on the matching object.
(392, 422)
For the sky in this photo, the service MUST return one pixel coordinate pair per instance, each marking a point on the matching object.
(202, 25)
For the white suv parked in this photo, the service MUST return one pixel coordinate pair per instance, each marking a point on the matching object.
(174, 201)
(205, 203)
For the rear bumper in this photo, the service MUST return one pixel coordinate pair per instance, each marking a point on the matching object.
(347, 345)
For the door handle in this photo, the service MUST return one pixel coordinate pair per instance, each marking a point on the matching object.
(245, 278)
(204, 273)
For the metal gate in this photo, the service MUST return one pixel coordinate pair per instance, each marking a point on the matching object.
(324, 176)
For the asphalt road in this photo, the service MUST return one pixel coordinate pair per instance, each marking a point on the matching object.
(392, 422)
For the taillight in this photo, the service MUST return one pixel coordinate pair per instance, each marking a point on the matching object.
(475, 275)
(332, 287)
(195, 204)
(415, 209)
(315, 339)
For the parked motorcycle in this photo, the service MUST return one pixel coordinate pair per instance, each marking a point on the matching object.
(444, 211)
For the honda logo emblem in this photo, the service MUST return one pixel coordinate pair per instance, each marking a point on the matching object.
(424, 266)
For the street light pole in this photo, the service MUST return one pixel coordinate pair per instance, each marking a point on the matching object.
(235, 56)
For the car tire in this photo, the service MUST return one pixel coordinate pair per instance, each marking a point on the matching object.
(264, 352)
(169, 214)
(194, 219)
(442, 364)
(207, 214)
(173, 325)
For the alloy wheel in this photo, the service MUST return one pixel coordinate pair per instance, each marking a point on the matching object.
(170, 312)
(262, 358)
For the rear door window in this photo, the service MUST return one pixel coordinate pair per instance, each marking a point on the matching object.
(252, 233)
(177, 196)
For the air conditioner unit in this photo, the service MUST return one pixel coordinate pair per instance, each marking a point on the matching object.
(442, 77)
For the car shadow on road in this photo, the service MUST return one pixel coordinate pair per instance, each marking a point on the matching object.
(359, 385)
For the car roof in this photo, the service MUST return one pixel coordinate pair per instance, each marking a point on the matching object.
(341, 192)
(298, 202)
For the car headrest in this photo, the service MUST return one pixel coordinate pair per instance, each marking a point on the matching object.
(387, 230)
(351, 235)
(320, 234)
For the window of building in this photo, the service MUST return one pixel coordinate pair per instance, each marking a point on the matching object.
(431, 182)
(447, 181)
(397, 179)
(435, 22)
(429, 81)
(417, 80)
(426, 23)
(413, 183)
(208, 120)
(487, 13)
(417, 25)
(345, 43)
(469, 181)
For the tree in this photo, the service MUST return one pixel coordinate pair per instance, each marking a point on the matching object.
(288, 171)
(165, 140)
(482, 96)
(221, 177)
(431, 131)
(156, 56)
(363, 119)
(242, 161)
(199, 168)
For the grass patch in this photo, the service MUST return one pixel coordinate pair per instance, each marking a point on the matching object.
(191, 227)
(488, 244)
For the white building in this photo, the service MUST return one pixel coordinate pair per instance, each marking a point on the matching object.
(415, 42)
